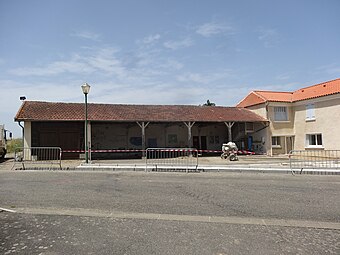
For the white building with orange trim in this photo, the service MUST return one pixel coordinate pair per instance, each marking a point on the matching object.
(306, 119)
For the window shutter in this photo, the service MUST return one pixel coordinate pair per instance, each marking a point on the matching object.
(310, 112)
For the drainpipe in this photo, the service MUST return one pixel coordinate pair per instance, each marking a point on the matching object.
(266, 105)
(23, 132)
(270, 133)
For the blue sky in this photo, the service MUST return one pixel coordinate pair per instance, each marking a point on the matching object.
(162, 52)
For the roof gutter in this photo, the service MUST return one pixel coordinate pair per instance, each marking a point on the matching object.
(265, 126)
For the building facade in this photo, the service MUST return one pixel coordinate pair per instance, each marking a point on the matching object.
(305, 119)
(134, 127)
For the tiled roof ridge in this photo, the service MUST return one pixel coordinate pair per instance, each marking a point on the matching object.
(266, 99)
(318, 84)
(271, 91)
(322, 89)
(63, 111)
(259, 95)
(120, 104)
(251, 92)
(294, 96)
(292, 92)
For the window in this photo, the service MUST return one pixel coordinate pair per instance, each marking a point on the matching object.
(310, 112)
(280, 113)
(314, 140)
(214, 139)
(276, 142)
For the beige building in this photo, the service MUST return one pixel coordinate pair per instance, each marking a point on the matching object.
(306, 119)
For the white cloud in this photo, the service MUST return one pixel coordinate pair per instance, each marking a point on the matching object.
(87, 35)
(203, 78)
(151, 93)
(99, 60)
(151, 39)
(288, 87)
(143, 75)
(55, 68)
(284, 76)
(332, 69)
(270, 37)
(39, 91)
(335, 70)
(106, 61)
(173, 64)
(212, 28)
(175, 45)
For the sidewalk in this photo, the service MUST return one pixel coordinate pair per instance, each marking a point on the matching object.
(246, 163)
(250, 163)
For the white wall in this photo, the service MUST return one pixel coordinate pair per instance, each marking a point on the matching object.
(327, 122)
(27, 139)
(27, 134)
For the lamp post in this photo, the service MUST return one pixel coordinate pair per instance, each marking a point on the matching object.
(86, 89)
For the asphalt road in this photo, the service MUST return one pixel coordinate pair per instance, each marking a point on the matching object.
(168, 213)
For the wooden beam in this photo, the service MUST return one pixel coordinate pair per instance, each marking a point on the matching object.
(143, 125)
(229, 126)
(189, 125)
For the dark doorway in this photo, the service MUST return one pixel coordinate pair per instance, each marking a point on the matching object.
(203, 143)
(196, 142)
(199, 142)
(152, 142)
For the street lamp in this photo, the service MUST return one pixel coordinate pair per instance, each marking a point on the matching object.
(86, 89)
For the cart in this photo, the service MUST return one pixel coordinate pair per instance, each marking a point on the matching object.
(229, 150)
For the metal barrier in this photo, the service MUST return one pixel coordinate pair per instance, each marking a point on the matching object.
(314, 159)
(171, 159)
(39, 156)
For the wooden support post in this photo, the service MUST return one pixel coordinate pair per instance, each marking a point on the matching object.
(189, 125)
(143, 125)
(229, 126)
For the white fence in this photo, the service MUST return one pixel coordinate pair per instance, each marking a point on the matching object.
(314, 159)
(158, 159)
(40, 157)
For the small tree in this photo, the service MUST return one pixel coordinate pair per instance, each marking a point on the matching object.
(208, 103)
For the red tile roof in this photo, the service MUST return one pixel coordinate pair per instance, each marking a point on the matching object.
(276, 96)
(48, 111)
(319, 90)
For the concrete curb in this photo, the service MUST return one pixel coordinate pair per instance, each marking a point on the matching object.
(249, 168)
(206, 168)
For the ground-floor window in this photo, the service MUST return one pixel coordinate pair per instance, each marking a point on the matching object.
(276, 142)
(214, 139)
(314, 140)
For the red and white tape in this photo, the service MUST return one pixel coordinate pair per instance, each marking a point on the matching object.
(239, 152)
(83, 151)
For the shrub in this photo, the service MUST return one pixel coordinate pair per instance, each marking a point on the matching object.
(14, 143)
